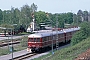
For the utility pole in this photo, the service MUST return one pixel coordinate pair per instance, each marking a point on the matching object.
(11, 49)
(73, 19)
(57, 32)
(52, 31)
(52, 43)
(3, 17)
(8, 43)
(12, 43)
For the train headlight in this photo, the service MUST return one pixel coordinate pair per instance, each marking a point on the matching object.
(29, 45)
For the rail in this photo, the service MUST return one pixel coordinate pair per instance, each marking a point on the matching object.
(25, 56)
(8, 43)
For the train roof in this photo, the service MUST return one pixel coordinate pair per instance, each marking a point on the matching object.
(48, 33)
(71, 29)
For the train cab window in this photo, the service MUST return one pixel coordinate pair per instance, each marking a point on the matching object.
(30, 39)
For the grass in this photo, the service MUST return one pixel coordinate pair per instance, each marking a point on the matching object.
(43, 57)
(18, 47)
(69, 53)
(5, 51)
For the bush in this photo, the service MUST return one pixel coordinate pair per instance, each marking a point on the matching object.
(79, 36)
(82, 34)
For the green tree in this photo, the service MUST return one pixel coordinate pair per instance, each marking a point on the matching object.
(85, 13)
(1, 16)
(69, 18)
(82, 34)
(16, 16)
(25, 15)
(12, 15)
(40, 17)
(33, 8)
(60, 21)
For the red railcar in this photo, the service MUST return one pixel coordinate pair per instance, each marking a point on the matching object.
(38, 41)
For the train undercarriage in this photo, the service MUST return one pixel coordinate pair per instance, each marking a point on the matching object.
(38, 50)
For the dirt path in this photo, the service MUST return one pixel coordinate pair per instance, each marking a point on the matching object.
(84, 55)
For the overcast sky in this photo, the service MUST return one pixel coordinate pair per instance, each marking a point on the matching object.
(51, 6)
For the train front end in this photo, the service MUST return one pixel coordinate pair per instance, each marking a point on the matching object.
(34, 43)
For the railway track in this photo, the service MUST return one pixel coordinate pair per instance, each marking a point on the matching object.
(28, 55)
(2, 44)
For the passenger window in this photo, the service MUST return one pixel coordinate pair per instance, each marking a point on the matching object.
(54, 37)
(59, 35)
(47, 38)
(35, 40)
(38, 39)
(44, 39)
(50, 37)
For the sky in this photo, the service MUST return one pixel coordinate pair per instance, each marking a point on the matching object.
(51, 6)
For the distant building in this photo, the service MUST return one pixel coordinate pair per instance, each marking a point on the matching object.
(89, 16)
(32, 26)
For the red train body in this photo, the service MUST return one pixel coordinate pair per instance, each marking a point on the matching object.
(38, 41)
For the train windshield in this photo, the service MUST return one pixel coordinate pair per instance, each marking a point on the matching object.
(30, 40)
(34, 39)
